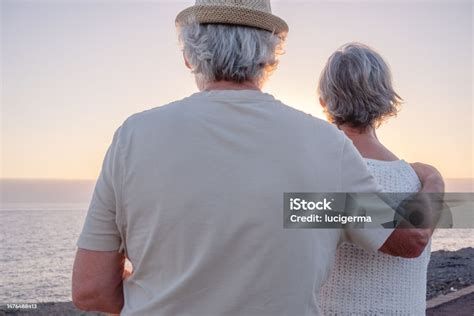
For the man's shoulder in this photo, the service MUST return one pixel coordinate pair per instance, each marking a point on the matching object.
(156, 112)
(178, 111)
(321, 127)
(154, 116)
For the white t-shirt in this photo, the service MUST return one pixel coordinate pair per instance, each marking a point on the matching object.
(366, 283)
(193, 192)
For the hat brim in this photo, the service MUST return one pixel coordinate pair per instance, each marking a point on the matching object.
(219, 14)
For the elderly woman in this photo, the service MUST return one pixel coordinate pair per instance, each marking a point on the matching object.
(357, 95)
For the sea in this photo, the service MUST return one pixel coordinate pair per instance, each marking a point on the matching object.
(41, 221)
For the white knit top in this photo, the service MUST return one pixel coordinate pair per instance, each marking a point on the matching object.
(365, 283)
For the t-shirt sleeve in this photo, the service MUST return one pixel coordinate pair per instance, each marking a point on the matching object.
(356, 177)
(100, 231)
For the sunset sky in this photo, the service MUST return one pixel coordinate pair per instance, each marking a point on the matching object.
(73, 71)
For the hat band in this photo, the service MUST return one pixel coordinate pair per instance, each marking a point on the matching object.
(224, 14)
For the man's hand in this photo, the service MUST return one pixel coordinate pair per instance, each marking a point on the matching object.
(430, 177)
(432, 190)
(409, 242)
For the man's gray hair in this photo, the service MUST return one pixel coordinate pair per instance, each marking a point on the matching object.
(356, 85)
(219, 52)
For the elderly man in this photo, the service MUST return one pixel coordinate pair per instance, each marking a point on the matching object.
(191, 192)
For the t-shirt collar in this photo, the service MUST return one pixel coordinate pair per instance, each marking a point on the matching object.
(250, 95)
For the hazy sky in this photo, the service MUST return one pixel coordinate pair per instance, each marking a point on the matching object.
(73, 71)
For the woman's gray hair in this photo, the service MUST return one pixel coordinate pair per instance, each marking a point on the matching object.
(219, 52)
(356, 86)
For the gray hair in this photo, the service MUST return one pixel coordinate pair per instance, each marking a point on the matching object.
(219, 52)
(356, 85)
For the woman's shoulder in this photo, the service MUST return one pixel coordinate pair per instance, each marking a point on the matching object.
(394, 175)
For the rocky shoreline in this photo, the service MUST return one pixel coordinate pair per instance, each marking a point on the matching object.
(448, 271)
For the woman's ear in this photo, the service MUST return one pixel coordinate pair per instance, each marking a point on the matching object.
(321, 101)
(188, 65)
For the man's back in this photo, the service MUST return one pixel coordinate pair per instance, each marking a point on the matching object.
(198, 196)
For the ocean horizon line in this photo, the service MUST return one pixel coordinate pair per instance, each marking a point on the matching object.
(42, 190)
(49, 179)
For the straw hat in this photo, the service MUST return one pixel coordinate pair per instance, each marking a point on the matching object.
(254, 13)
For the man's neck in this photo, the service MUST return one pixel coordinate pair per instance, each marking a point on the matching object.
(229, 85)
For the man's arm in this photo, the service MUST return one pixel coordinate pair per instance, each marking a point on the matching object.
(410, 242)
(97, 281)
(99, 264)
(401, 242)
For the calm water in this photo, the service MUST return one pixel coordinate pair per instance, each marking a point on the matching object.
(37, 240)
(37, 251)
